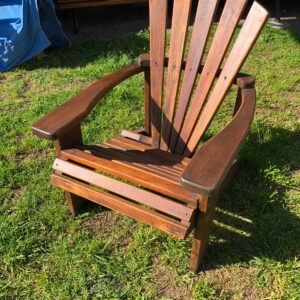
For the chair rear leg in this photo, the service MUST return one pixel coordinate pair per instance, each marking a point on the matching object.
(202, 231)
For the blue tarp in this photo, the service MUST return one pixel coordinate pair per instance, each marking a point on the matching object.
(23, 35)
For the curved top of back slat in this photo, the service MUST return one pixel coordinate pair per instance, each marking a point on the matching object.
(185, 119)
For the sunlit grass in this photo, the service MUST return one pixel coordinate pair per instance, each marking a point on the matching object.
(47, 254)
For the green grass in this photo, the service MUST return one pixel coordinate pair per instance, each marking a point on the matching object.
(47, 254)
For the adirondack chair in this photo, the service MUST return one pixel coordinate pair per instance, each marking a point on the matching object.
(175, 185)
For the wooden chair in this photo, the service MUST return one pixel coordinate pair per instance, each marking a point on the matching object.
(174, 186)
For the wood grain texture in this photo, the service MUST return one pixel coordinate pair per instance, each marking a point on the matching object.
(211, 163)
(70, 139)
(115, 151)
(168, 157)
(180, 18)
(166, 190)
(246, 39)
(241, 79)
(202, 231)
(228, 22)
(135, 174)
(147, 160)
(204, 18)
(137, 137)
(123, 189)
(55, 124)
(158, 22)
(132, 210)
(159, 156)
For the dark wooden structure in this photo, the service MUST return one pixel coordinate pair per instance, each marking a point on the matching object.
(70, 4)
(174, 186)
(78, 4)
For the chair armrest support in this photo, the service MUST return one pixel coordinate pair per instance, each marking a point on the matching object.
(72, 112)
(210, 165)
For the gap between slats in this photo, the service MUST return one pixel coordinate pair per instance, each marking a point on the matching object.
(116, 155)
(153, 160)
(204, 17)
(139, 159)
(242, 46)
(158, 22)
(225, 30)
(180, 19)
(157, 202)
(132, 173)
(132, 210)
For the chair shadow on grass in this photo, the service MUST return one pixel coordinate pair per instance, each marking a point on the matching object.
(253, 205)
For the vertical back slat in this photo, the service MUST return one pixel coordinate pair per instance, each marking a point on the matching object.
(204, 18)
(246, 39)
(228, 22)
(158, 21)
(180, 20)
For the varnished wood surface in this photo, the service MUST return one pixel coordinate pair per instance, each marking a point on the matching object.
(56, 123)
(204, 18)
(241, 79)
(139, 195)
(132, 210)
(135, 165)
(228, 22)
(165, 189)
(179, 27)
(246, 39)
(137, 137)
(158, 23)
(205, 217)
(73, 137)
(209, 166)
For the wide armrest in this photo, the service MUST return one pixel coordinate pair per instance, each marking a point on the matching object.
(210, 165)
(72, 112)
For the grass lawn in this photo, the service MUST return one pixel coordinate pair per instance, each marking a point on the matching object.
(47, 254)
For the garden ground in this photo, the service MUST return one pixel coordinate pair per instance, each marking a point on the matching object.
(47, 254)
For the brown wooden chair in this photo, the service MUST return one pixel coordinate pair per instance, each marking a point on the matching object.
(174, 186)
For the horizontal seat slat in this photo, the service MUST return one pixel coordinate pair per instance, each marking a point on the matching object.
(132, 173)
(152, 155)
(144, 159)
(132, 210)
(160, 203)
(168, 156)
(127, 160)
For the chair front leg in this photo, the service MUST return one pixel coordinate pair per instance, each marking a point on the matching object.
(204, 220)
(71, 139)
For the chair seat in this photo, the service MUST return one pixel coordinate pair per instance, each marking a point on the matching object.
(150, 190)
